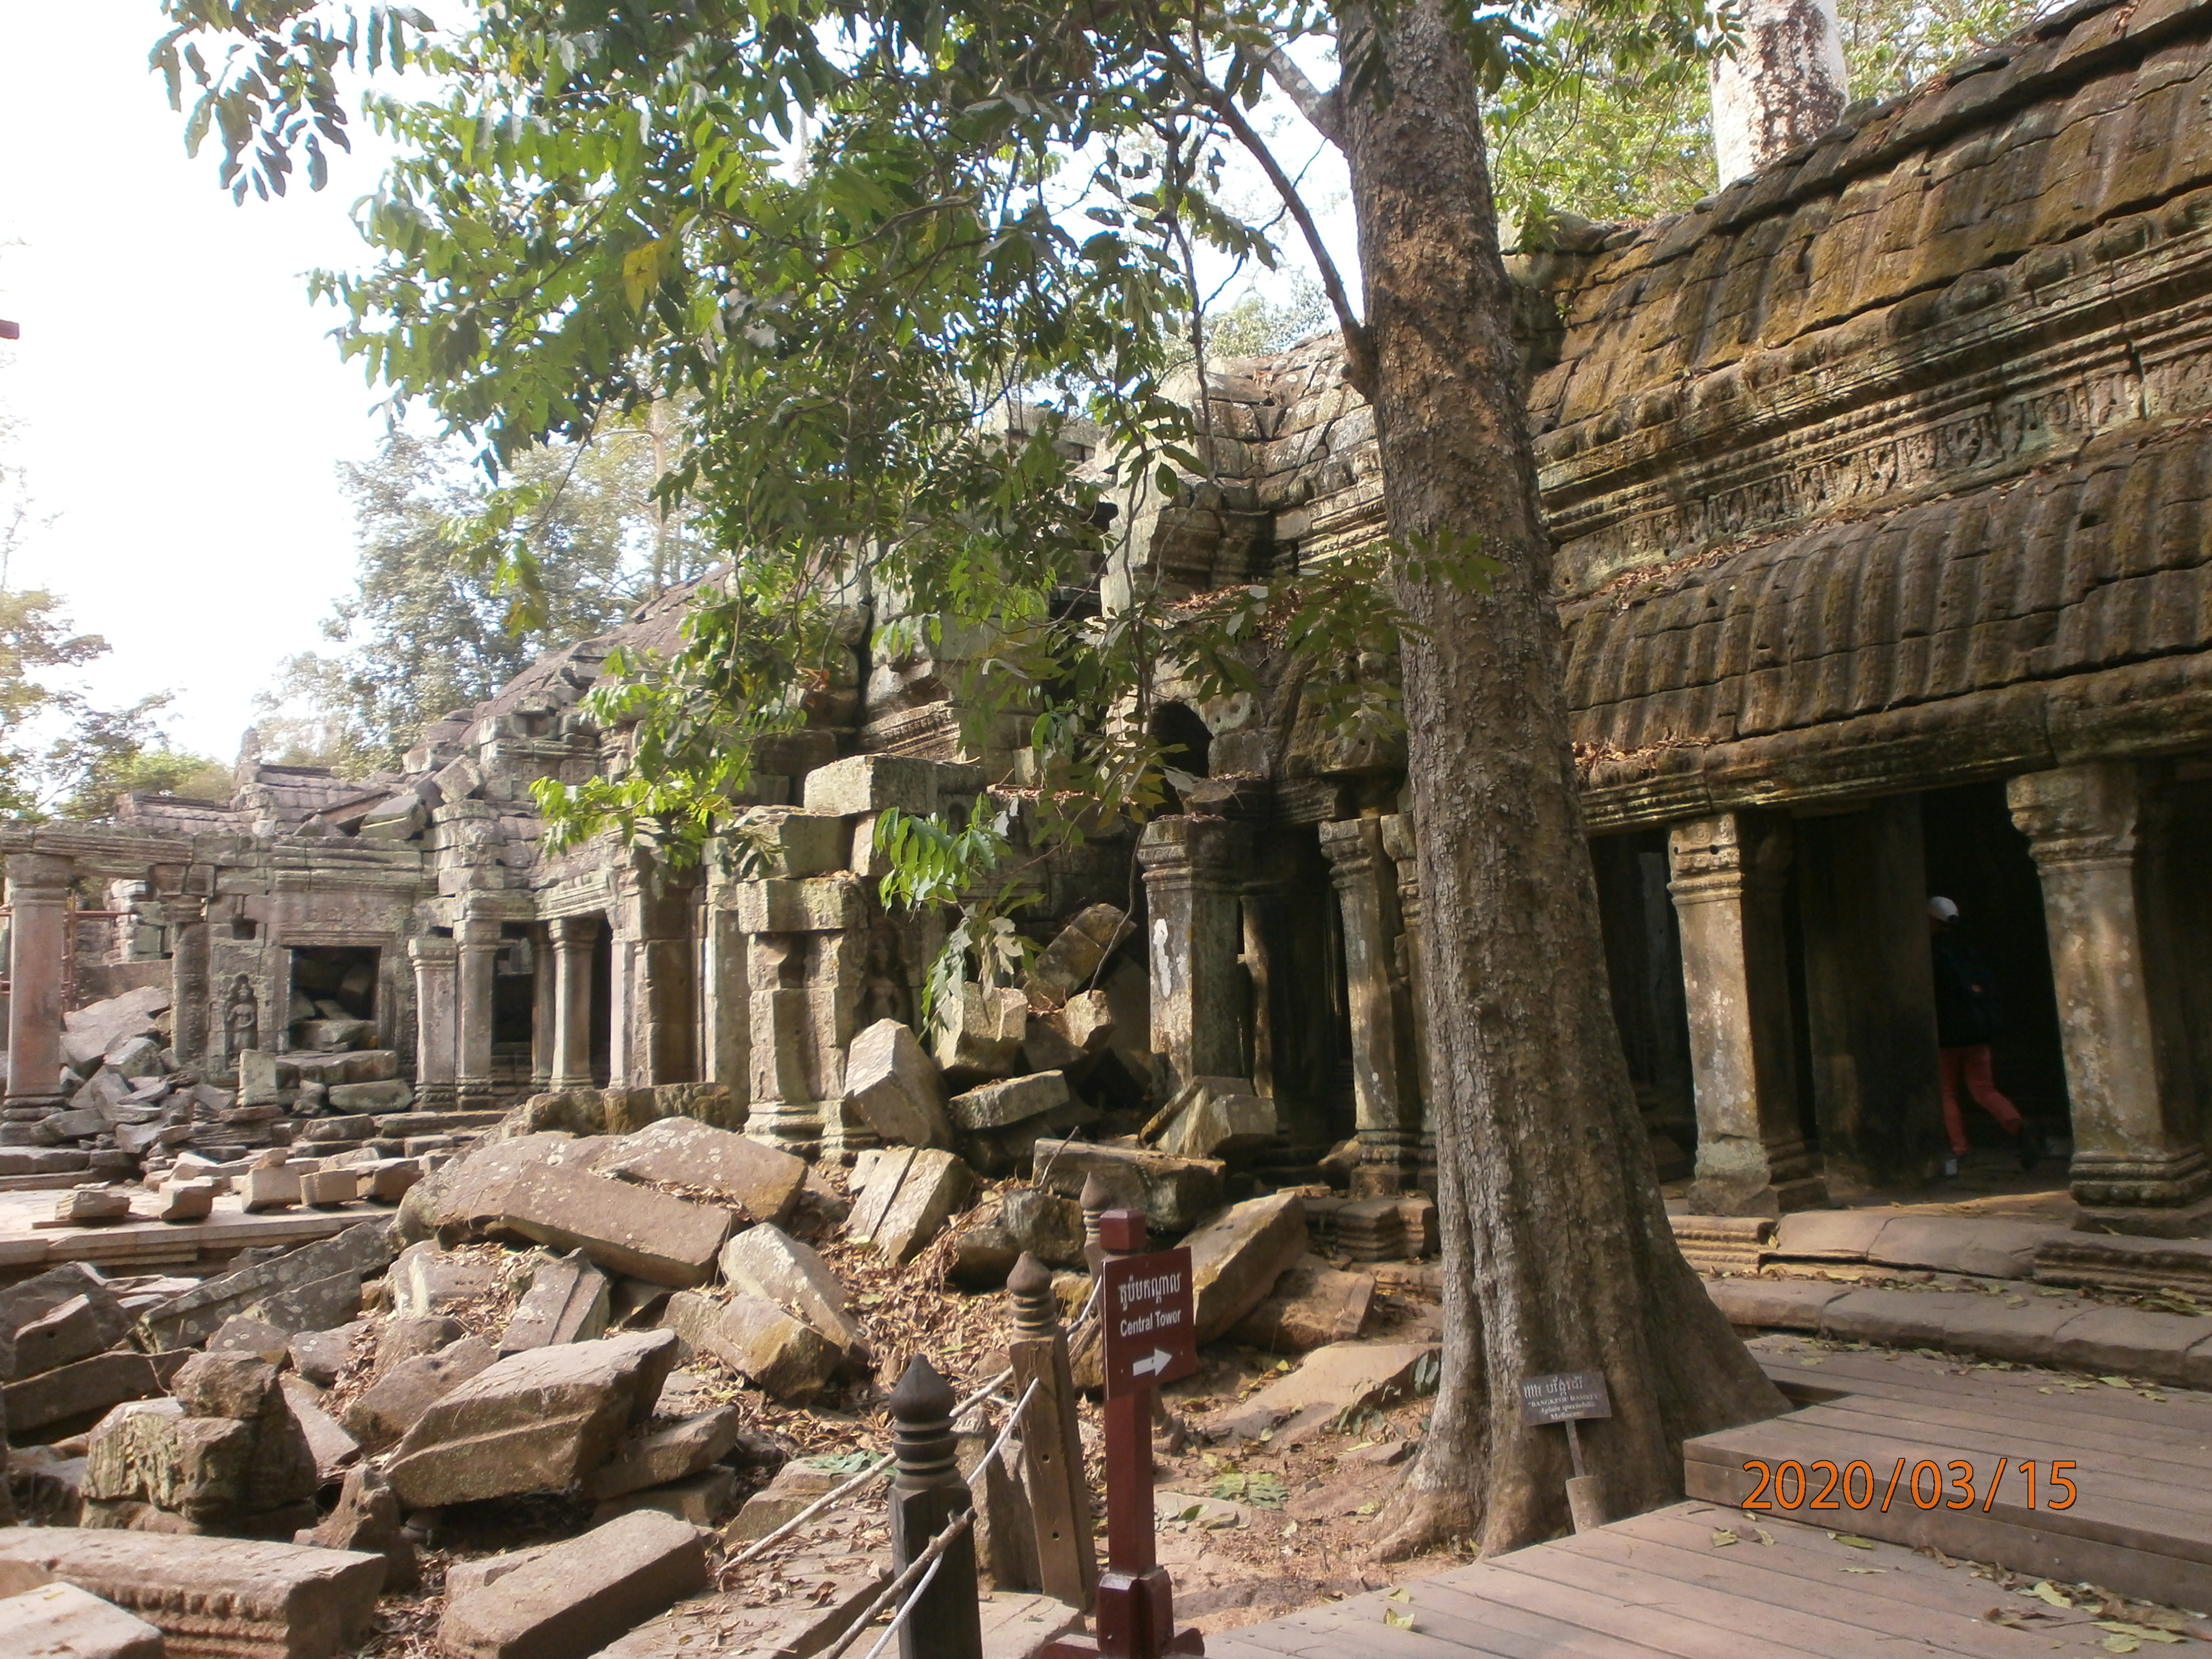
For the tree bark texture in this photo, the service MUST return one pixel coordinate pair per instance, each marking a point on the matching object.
(1556, 1252)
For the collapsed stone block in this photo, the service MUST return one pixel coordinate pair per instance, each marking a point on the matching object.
(1215, 1118)
(387, 1179)
(1067, 964)
(332, 1448)
(705, 1499)
(383, 1095)
(573, 1599)
(1175, 1193)
(783, 1500)
(895, 1086)
(1334, 1379)
(225, 1455)
(74, 1393)
(675, 1452)
(982, 1032)
(1236, 1258)
(425, 1281)
(319, 1356)
(538, 1421)
(90, 1323)
(681, 1151)
(92, 1206)
(187, 1200)
(215, 1598)
(778, 1353)
(567, 1301)
(1045, 1224)
(269, 1186)
(409, 1336)
(60, 1621)
(246, 1335)
(875, 783)
(328, 1188)
(539, 1187)
(366, 1519)
(907, 1195)
(383, 1412)
(766, 1262)
(1312, 1306)
(996, 1105)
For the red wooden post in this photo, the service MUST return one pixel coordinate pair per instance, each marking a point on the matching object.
(1135, 1617)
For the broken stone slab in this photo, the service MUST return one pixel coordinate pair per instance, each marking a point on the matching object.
(215, 1598)
(366, 1519)
(677, 1452)
(426, 1281)
(1085, 1022)
(1045, 1224)
(766, 1262)
(269, 1186)
(528, 1189)
(567, 1300)
(907, 1195)
(408, 1336)
(1342, 1378)
(334, 1449)
(42, 1294)
(1069, 963)
(225, 1455)
(77, 1122)
(574, 1598)
(90, 1323)
(895, 1086)
(1779, 1304)
(91, 1207)
(764, 1183)
(705, 1499)
(1175, 1194)
(997, 1105)
(1987, 1248)
(982, 1031)
(88, 1033)
(1312, 1306)
(60, 1621)
(382, 1414)
(1215, 1117)
(784, 1498)
(536, 1421)
(328, 1190)
(782, 1356)
(370, 1099)
(1044, 1049)
(1236, 1257)
(388, 1180)
(826, 1595)
(188, 1201)
(247, 1335)
(88, 1390)
(319, 1356)
(1827, 1235)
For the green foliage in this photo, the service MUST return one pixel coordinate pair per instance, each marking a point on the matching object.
(433, 625)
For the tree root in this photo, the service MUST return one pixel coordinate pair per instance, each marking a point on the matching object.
(1419, 1518)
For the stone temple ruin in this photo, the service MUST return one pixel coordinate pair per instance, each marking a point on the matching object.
(1880, 484)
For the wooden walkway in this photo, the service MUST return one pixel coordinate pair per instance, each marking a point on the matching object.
(1701, 1580)
(2140, 1521)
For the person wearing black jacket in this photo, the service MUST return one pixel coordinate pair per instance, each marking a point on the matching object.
(1968, 1014)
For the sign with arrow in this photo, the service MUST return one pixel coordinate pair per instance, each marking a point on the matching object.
(1152, 1331)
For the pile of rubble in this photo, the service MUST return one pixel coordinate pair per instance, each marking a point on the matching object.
(613, 1332)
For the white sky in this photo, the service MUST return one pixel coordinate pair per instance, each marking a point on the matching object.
(183, 407)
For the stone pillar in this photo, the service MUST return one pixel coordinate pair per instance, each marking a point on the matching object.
(1786, 85)
(1412, 976)
(437, 1054)
(574, 940)
(1869, 995)
(725, 1023)
(38, 946)
(1729, 882)
(1386, 1101)
(477, 938)
(805, 960)
(1195, 869)
(655, 1017)
(544, 1026)
(192, 984)
(2134, 1142)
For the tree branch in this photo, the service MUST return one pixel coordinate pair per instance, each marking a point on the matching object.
(1320, 108)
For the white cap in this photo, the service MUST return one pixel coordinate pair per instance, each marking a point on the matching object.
(1942, 909)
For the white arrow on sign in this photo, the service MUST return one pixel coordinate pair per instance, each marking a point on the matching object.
(1151, 1364)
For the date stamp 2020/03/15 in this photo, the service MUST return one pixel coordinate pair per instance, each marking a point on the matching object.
(1926, 1485)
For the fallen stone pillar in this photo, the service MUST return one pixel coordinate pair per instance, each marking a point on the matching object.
(2134, 1141)
(570, 1600)
(1728, 876)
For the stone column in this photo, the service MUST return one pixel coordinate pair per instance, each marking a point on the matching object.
(805, 954)
(1729, 882)
(1413, 977)
(1869, 995)
(437, 1055)
(544, 1015)
(477, 938)
(725, 1033)
(38, 944)
(1387, 1103)
(655, 1022)
(574, 940)
(1194, 868)
(1786, 85)
(192, 985)
(2134, 1144)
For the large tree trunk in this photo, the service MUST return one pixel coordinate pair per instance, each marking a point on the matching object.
(1556, 1252)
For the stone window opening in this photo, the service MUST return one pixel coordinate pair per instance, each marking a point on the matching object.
(334, 995)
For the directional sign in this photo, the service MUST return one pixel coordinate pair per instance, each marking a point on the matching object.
(1565, 1397)
(1151, 1333)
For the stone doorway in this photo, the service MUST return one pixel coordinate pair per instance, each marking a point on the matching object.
(1644, 971)
(334, 987)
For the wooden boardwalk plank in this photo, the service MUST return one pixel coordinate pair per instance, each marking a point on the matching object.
(1871, 1370)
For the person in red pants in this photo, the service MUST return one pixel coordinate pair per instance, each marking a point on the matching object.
(1968, 1014)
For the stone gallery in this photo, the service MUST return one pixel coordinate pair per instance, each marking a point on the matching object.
(448, 1244)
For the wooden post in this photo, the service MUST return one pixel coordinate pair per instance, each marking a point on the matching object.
(926, 1491)
(1096, 1201)
(1052, 1449)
